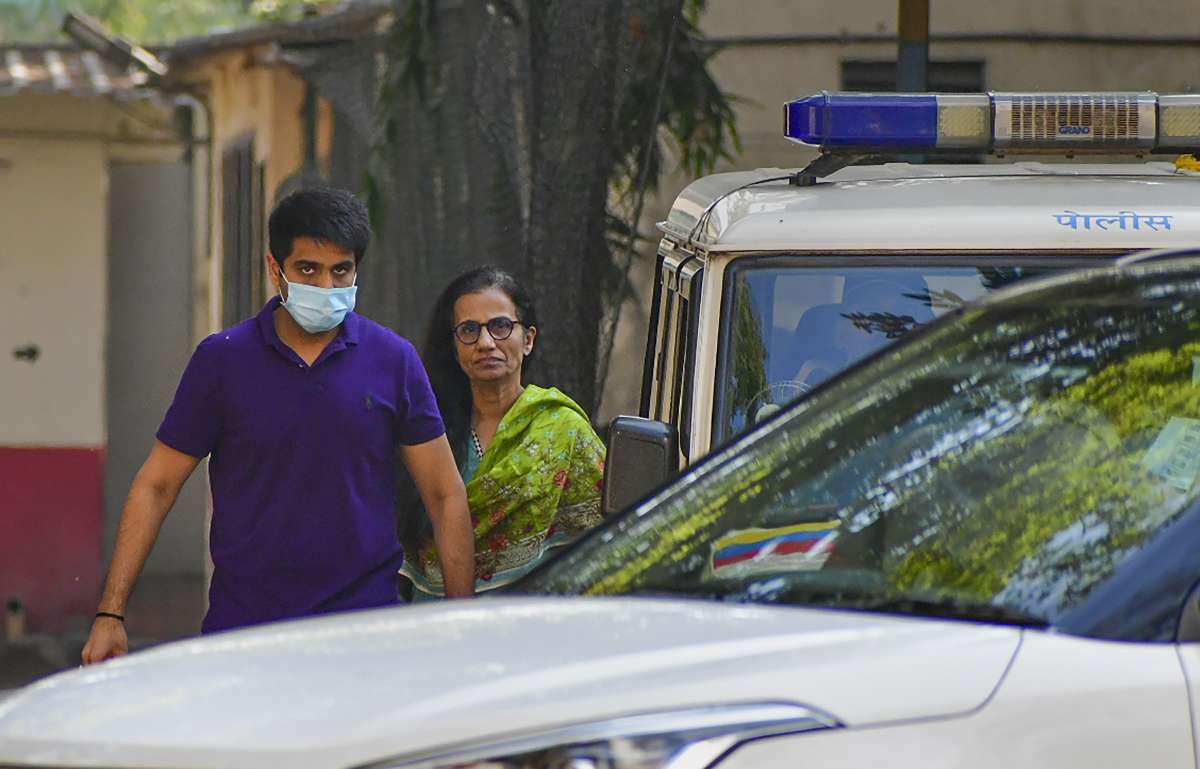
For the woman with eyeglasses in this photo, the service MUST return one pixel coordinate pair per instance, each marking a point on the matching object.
(530, 459)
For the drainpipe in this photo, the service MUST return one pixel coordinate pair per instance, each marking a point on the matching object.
(203, 236)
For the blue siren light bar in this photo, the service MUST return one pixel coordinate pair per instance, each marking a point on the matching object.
(1112, 123)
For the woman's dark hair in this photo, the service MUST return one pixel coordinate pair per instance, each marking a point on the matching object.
(450, 383)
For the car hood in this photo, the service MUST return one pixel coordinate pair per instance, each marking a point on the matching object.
(346, 689)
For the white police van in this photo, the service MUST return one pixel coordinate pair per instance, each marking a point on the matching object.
(770, 281)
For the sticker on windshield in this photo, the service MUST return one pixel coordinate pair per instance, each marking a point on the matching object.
(745, 552)
(1175, 454)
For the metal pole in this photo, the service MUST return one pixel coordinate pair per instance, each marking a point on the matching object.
(912, 62)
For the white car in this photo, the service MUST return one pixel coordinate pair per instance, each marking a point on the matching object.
(975, 548)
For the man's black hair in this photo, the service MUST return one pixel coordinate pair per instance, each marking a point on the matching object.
(321, 213)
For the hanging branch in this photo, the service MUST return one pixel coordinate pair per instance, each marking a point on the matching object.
(694, 117)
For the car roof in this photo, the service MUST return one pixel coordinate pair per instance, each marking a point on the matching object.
(1027, 206)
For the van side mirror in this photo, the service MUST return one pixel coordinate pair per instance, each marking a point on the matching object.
(642, 455)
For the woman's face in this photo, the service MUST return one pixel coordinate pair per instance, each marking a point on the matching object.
(488, 359)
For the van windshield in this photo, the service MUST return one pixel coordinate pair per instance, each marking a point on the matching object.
(791, 327)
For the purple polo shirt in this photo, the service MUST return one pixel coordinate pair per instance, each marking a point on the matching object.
(302, 465)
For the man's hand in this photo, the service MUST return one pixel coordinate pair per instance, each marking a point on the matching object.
(106, 641)
(152, 494)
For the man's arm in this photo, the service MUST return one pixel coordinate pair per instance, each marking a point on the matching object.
(431, 465)
(151, 496)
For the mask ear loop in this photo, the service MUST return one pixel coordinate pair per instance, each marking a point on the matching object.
(278, 288)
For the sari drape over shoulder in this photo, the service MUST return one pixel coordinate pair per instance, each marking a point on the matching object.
(536, 487)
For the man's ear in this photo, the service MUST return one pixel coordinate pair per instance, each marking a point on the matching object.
(274, 270)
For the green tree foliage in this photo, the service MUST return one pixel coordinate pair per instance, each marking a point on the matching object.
(1105, 424)
(146, 22)
(748, 372)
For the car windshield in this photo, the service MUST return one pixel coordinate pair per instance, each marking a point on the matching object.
(1033, 460)
(794, 326)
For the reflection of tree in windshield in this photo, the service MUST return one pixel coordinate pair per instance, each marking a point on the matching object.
(1060, 496)
(1016, 457)
(748, 373)
(990, 279)
(999, 277)
(890, 325)
(793, 328)
(879, 307)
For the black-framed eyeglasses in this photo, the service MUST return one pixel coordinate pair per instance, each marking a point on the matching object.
(499, 328)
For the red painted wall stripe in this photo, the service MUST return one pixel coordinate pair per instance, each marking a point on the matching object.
(51, 534)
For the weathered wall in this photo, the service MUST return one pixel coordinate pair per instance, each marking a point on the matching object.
(248, 95)
(52, 437)
(55, 155)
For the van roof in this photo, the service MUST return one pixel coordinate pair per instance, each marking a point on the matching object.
(1024, 206)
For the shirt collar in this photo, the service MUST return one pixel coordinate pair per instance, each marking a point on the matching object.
(347, 334)
(266, 322)
(350, 328)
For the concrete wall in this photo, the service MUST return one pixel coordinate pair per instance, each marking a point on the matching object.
(52, 292)
(766, 75)
(763, 69)
(52, 299)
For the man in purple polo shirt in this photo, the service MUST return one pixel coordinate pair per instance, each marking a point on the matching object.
(300, 410)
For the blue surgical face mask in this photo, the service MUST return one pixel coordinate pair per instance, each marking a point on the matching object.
(318, 309)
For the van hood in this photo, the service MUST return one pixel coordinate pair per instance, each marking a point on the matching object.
(348, 689)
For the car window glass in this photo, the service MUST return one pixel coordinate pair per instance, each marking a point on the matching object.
(1014, 458)
(794, 327)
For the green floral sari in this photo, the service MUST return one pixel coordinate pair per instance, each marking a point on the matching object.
(536, 487)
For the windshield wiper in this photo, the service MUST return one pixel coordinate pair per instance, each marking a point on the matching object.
(953, 608)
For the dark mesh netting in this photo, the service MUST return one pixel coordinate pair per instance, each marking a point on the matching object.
(497, 133)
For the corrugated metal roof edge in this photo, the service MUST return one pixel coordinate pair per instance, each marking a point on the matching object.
(45, 67)
(66, 69)
(356, 20)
